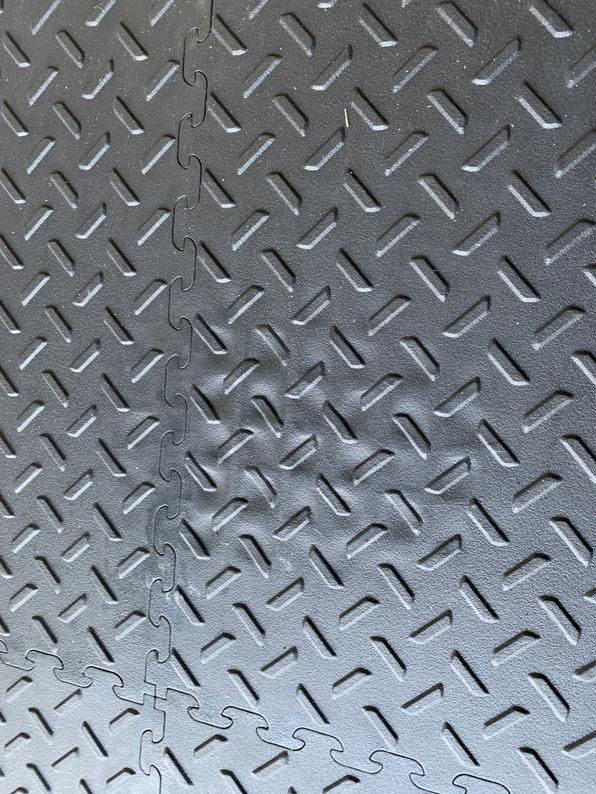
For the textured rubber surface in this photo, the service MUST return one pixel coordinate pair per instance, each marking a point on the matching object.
(297, 396)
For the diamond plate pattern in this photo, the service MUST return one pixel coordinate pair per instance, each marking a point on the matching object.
(297, 401)
(72, 738)
(84, 313)
(390, 317)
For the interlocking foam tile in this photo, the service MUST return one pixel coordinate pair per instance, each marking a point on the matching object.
(297, 383)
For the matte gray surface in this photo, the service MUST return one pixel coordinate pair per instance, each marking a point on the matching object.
(297, 392)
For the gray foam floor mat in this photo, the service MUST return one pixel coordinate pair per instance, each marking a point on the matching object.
(297, 393)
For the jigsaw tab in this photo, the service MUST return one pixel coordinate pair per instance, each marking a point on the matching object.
(185, 223)
(473, 784)
(382, 771)
(168, 460)
(189, 143)
(174, 389)
(464, 783)
(194, 38)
